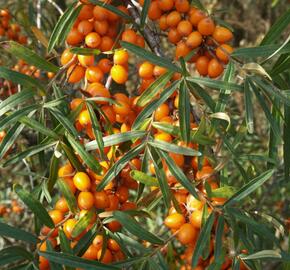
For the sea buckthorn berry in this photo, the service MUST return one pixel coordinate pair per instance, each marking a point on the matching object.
(187, 234)
(75, 74)
(113, 245)
(196, 17)
(140, 41)
(69, 182)
(101, 27)
(65, 171)
(215, 68)
(82, 181)
(100, 13)
(162, 111)
(121, 57)
(165, 5)
(163, 137)
(105, 65)
(74, 37)
(196, 218)
(86, 60)
(107, 258)
(223, 52)
(68, 227)
(62, 205)
(129, 35)
(121, 97)
(119, 74)
(98, 241)
(181, 50)
(94, 74)
(122, 108)
(91, 253)
(163, 22)
(101, 200)
(158, 71)
(109, 113)
(193, 203)
(174, 221)
(182, 6)
(173, 18)
(128, 206)
(146, 70)
(93, 40)
(174, 36)
(201, 65)
(206, 27)
(194, 40)
(84, 118)
(56, 215)
(184, 28)
(97, 89)
(194, 162)
(85, 27)
(122, 193)
(178, 159)
(85, 200)
(66, 57)
(154, 12)
(107, 44)
(222, 34)
(204, 173)
(86, 12)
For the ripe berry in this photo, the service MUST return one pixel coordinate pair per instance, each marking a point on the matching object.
(187, 234)
(206, 27)
(82, 181)
(174, 221)
(93, 40)
(215, 68)
(222, 34)
(223, 52)
(201, 65)
(194, 40)
(184, 28)
(119, 74)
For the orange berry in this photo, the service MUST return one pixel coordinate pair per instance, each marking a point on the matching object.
(66, 57)
(85, 27)
(121, 57)
(74, 37)
(94, 74)
(86, 12)
(194, 163)
(62, 205)
(163, 22)
(178, 159)
(162, 111)
(68, 227)
(65, 171)
(122, 193)
(91, 253)
(119, 74)
(154, 12)
(82, 181)
(146, 70)
(174, 36)
(215, 68)
(84, 118)
(201, 65)
(163, 137)
(206, 27)
(140, 41)
(93, 40)
(107, 44)
(75, 74)
(121, 97)
(182, 6)
(100, 13)
(193, 203)
(86, 60)
(101, 200)
(194, 40)
(110, 113)
(196, 16)
(184, 28)
(101, 27)
(181, 50)
(222, 34)
(85, 200)
(113, 245)
(105, 65)
(98, 241)
(97, 89)
(223, 52)
(174, 221)
(173, 18)
(107, 258)
(187, 234)
(56, 216)
(165, 5)
(129, 35)
(204, 173)
(196, 218)
(158, 71)
(70, 184)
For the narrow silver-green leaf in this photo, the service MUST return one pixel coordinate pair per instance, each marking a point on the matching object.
(144, 178)
(68, 195)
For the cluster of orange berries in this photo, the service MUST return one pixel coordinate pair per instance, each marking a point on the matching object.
(13, 207)
(83, 186)
(8, 30)
(191, 29)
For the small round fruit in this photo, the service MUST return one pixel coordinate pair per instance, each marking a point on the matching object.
(85, 200)
(82, 181)
(187, 234)
(206, 27)
(174, 221)
(222, 34)
(215, 68)
(119, 74)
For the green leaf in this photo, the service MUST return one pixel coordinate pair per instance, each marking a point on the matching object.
(65, 245)
(277, 29)
(18, 234)
(64, 121)
(29, 56)
(249, 107)
(144, 13)
(63, 26)
(132, 226)
(173, 148)
(85, 51)
(115, 139)
(218, 244)
(260, 51)
(68, 195)
(74, 261)
(151, 57)
(249, 188)
(96, 129)
(160, 174)
(13, 101)
(28, 153)
(53, 172)
(34, 205)
(72, 157)
(184, 112)
(286, 145)
(202, 239)
(16, 115)
(83, 223)
(15, 251)
(53, 265)
(215, 84)
(223, 192)
(119, 165)
(144, 178)
(154, 89)
(151, 107)
(179, 174)
(88, 159)
(22, 79)
(266, 254)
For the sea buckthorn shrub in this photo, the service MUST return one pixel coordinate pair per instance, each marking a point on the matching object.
(136, 156)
